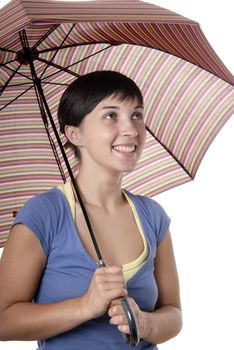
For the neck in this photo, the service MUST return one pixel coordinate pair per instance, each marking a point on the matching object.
(100, 189)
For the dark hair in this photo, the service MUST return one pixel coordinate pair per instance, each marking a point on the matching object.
(87, 91)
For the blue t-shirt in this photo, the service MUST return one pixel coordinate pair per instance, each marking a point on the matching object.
(70, 268)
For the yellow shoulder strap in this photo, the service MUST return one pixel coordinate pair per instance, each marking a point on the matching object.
(68, 193)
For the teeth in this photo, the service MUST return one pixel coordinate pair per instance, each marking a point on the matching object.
(124, 149)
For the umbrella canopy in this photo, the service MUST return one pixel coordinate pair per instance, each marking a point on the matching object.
(45, 45)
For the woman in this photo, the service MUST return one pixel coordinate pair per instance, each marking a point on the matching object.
(50, 286)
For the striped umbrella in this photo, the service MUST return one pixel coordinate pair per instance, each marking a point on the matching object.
(45, 45)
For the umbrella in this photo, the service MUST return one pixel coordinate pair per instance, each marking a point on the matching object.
(45, 45)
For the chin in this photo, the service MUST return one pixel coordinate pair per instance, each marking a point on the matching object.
(128, 169)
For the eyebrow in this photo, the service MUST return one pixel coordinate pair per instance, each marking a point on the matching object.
(116, 107)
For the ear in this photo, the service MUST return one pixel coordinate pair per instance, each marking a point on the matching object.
(73, 135)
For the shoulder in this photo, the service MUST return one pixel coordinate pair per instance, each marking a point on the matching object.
(42, 214)
(44, 202)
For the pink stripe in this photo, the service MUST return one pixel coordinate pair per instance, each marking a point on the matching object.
(165, 95)
(207, 121)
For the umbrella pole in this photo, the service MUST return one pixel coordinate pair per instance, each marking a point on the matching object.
(43, 105)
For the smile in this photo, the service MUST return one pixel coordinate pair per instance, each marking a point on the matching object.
(125, 149)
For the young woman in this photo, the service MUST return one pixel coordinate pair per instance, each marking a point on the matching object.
(51, 288)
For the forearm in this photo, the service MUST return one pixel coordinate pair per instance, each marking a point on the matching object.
(30, 321)
(161, 325)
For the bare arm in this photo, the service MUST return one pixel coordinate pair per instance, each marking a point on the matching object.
(166, 322)
(21, 266)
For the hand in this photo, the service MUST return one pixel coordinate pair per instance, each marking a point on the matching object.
(107, 285)
(118, 317)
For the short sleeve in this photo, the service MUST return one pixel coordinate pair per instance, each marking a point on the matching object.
(39, 215)
(160, 220)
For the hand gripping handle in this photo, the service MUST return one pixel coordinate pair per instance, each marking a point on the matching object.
(133, 337)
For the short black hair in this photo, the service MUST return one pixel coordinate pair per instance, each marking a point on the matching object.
(86, 92)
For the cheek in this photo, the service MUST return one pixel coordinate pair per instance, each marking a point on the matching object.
(99, 141)
(107, 136)
(142, 134)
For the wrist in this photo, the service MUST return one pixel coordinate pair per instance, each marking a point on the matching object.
(144, 326)
(82, 310)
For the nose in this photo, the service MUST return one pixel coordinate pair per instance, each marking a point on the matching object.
(129, 129)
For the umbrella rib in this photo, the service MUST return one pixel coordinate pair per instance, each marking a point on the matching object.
(45, 83)
(45, 36)
(4, 64)
(50, 83)
(83, 59)
(87, 57)
(3, 88)
(58, 67)
(20, 84)
(7, 50)
(170, 152)
(113, 43)
(25, 76)
(67, 35)
(7, 104)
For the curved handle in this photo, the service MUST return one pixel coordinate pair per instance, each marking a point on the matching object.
(133, 337)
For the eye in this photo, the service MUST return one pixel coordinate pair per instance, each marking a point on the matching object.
(110, 116)
(137, 115)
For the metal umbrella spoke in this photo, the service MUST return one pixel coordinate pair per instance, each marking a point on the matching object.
(45, 36)
(6, 63)
(15, 98)
(92, 55)
(52, 83)
(56, 51)
(18, 73)
(90, 43)
(3, 88)
(169, 152)
(20, 84)
(7, 50)
(60, 68)
(75, 63)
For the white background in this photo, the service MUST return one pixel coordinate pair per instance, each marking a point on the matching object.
(202, 213)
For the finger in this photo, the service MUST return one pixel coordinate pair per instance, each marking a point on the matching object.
(110, 269)
(124, 329)
(115, 302)
(109, 277)
(116, 306)
(106, 284)
(117, 309)
(119, 320)
(114, 293)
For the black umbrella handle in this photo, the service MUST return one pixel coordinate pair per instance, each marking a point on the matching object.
(132, 338)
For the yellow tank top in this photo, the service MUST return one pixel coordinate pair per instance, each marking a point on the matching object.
(131, 268)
